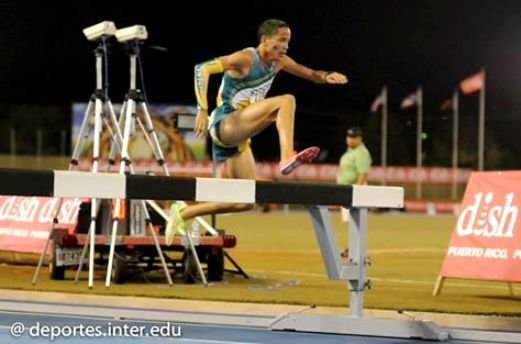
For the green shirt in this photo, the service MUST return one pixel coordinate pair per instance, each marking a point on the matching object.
(353, 162)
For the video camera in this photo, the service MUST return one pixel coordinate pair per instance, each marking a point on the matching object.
(135, 32)
(105, 28)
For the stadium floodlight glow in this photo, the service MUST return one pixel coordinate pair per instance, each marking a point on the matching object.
(135, 32)
(105, 28)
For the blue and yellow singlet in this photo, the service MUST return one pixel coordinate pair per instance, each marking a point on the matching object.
(235, 94)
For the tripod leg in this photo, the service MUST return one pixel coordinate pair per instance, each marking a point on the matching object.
(42, 255)
(130, 110)
(72, 164)
(85, 247)
(196, 257)
(107, 120)
(113, 118)
(115, 145)
(94, 201)
(151, 133)
(118, 124)
(82, 258)
(83, 134)
(156, 241)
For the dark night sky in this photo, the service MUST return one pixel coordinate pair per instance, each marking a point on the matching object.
(45, 59)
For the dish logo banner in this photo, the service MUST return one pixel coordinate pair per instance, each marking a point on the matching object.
(486, 242)
(25, 221)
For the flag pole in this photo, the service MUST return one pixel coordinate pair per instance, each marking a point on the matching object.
(481, 129)
(419, 130)
(384, 135)
(455, 129)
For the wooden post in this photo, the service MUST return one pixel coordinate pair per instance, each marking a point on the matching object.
(438, 286)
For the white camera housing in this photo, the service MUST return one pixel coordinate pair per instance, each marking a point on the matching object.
(105, 28)
(136, 32)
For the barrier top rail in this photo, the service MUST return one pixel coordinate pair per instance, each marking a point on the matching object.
(55, 183)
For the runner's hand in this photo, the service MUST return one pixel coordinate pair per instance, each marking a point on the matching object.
(201, 123)
(336, 78)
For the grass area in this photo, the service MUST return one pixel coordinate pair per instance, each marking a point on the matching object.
(280, 253)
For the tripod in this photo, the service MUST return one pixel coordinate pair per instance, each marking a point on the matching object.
(98, 101)
(119, 143)
(102, 109)
(133, 100)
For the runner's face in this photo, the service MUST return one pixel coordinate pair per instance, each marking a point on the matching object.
(278, 44)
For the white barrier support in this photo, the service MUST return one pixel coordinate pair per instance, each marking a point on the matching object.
(355, 274)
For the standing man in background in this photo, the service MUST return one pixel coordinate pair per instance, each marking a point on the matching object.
(354, 164)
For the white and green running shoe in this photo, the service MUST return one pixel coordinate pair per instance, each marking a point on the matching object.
(175, 222)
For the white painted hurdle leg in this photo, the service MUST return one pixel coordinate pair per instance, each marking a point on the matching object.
(356, 256)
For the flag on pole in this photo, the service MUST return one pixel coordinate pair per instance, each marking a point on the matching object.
(472, 83)
(377, 102)
(447, 104)
(409, 101)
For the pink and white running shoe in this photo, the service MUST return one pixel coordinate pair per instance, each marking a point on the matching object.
(302, 157)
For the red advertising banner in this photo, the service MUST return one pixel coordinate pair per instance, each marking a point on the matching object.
(486, 242)
(25, 221)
